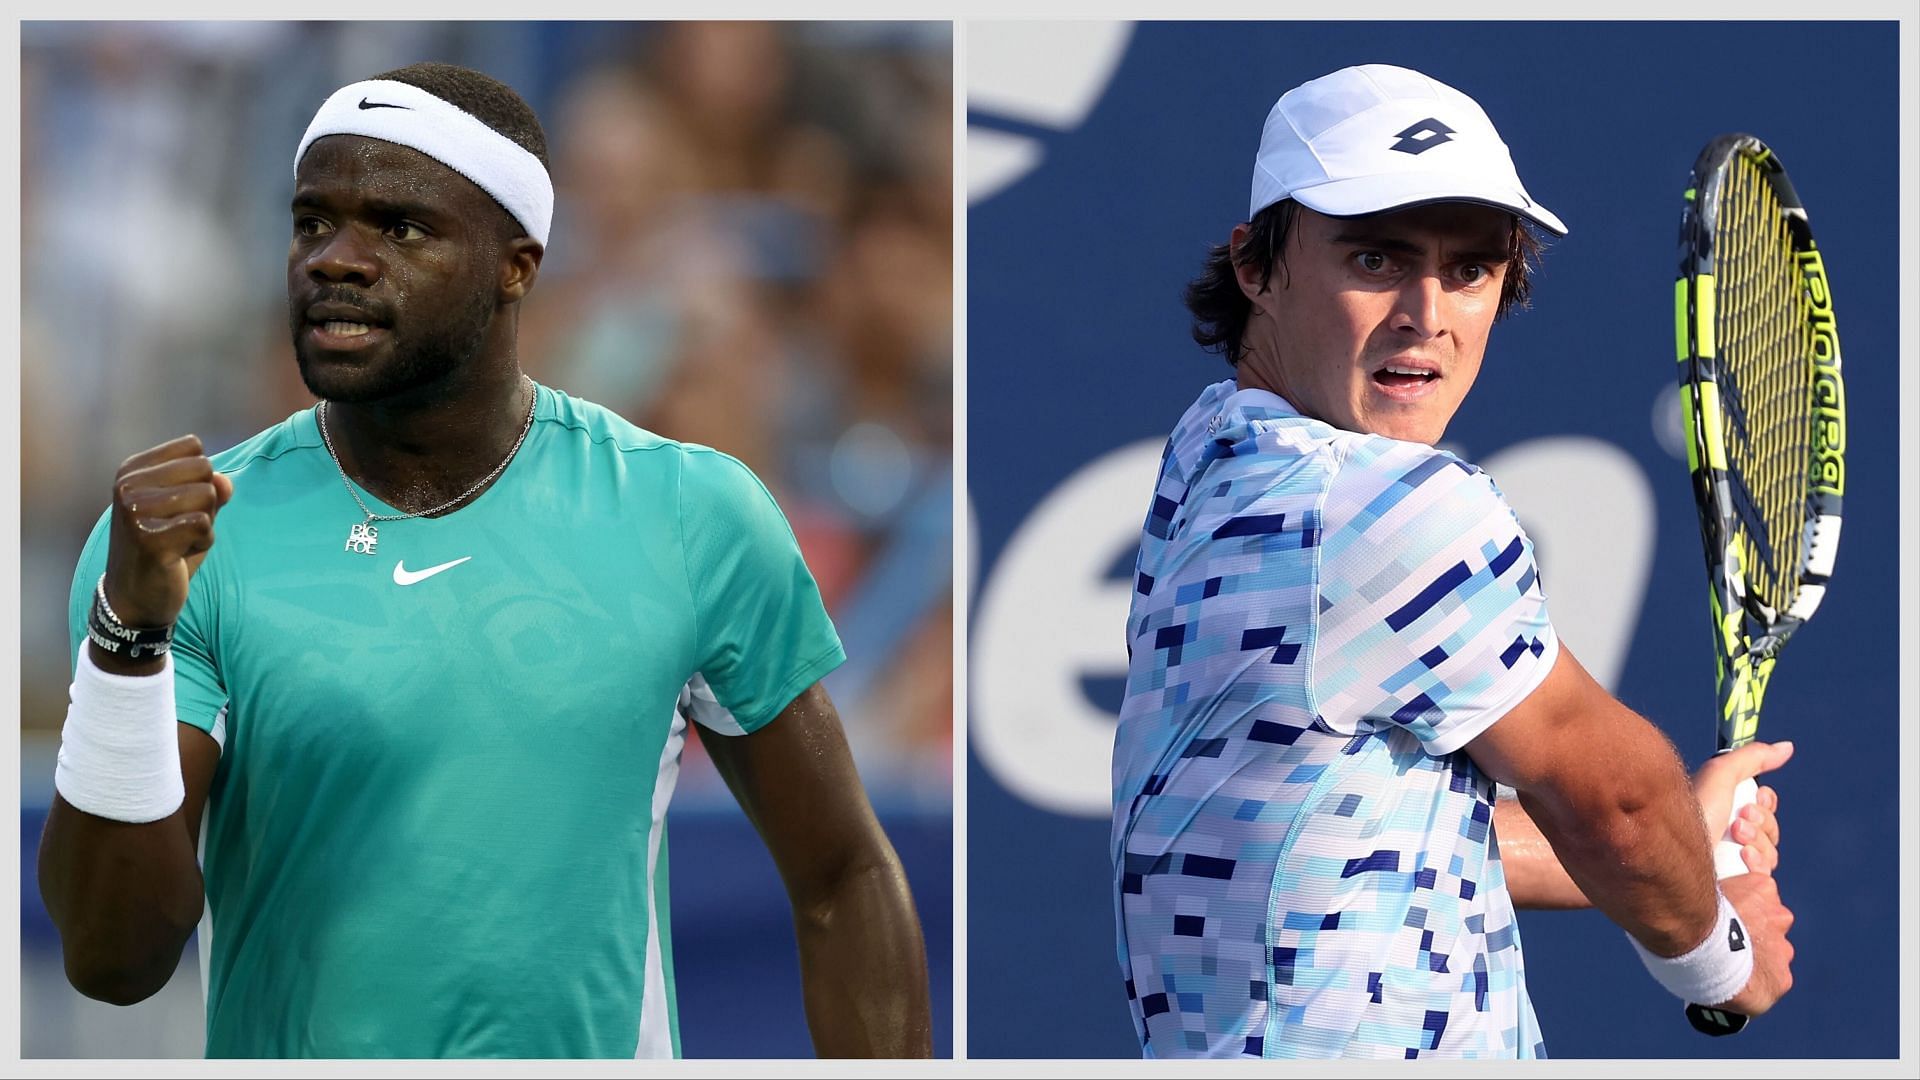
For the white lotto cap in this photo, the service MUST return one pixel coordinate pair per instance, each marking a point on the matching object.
(1373, 138)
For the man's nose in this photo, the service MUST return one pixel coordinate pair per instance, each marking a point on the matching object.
(1421, 306)
(343, 256)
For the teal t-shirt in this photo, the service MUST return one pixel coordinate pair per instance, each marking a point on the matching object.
(437, 826)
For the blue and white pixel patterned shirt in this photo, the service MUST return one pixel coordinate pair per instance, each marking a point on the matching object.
(1304, 863)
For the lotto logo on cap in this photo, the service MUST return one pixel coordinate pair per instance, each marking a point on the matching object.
(1373, 138)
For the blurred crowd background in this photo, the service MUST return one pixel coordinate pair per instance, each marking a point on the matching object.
(752, 250)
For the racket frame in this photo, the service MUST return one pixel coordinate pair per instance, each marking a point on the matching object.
(1748, 634)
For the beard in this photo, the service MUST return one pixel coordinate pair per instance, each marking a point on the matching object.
(416, 358)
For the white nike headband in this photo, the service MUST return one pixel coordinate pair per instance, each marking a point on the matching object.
(397, 112)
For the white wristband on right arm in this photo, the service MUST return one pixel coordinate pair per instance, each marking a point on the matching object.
(120, 747)
(1715, 970)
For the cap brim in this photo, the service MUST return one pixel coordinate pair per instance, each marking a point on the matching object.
(1364, 195)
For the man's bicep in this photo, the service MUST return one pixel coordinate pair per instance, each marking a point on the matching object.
(1553, 737)
(763, 631)
(795, 779)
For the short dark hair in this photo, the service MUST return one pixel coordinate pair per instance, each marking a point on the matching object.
(482, 97)
(1220, 310)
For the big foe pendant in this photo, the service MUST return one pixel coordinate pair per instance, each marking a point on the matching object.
(363, 537)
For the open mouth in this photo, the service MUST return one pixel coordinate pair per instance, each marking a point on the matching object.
(338, 324)
(1405, 376)
(343, 335)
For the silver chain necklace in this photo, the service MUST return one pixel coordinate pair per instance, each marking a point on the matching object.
(364, 536)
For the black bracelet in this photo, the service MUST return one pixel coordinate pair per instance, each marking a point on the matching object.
(105, 629)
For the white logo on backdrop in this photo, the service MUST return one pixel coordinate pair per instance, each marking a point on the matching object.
(1041, 74)
(1049, 617)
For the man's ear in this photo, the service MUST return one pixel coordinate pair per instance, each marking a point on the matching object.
(1251, 275)
(519, 266)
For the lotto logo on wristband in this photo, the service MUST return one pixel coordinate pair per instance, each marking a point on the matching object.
(1708, 973)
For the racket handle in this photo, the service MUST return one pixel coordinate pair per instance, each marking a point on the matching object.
(1726, 863)
(1726, 852)
(1711, 1021)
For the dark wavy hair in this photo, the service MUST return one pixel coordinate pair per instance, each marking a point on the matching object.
(1220, 309)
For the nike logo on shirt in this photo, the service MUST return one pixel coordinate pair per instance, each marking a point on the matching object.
(404, 576)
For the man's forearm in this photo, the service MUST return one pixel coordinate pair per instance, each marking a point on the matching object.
(863, 963)
(1535, 878)
(122, 885)
(1636, 847)
(124, 897)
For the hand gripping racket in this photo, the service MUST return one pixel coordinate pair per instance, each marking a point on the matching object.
(1765, 416)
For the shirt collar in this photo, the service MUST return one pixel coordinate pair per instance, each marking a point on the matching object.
(1252, 403)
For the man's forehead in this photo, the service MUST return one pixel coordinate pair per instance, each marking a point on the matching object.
(363, 162)
(1453, 220)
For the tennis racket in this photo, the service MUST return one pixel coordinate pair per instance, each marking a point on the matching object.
(1765, 416)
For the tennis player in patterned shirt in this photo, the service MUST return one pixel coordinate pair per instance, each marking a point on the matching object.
(1340, 644)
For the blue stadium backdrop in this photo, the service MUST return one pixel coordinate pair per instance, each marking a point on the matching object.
(1102, 161)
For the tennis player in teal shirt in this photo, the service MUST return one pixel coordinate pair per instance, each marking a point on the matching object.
(411, 725)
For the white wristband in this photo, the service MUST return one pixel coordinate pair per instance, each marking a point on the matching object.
(1715, 970)
(120, 748)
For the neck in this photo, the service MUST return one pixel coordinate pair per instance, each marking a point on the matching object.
(417, 450)
(1246, 378)
(1259, 366)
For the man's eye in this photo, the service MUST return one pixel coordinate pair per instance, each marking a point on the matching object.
(308, 225)
(1372, 261)
(1473, 273)
(406, 230)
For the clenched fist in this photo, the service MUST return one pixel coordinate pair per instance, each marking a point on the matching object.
(164, 502)
(1757, 898)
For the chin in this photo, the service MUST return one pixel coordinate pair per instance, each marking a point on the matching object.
(1426, 432)
(333, 380)
(370, 379)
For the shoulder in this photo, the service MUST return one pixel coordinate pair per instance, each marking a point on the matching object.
(1380, 482)
(1252, 460)
(600, 428)
(1414, 514)
(288, 438)
(719, 489)
(701, 474)
(593, 425)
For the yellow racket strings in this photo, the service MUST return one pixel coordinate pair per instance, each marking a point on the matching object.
(1765, 346)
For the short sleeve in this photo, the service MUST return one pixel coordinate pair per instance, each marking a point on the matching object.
(1432, 617)
(199, 695)
(763, 634)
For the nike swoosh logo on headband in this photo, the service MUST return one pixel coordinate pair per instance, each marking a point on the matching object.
(365, 104)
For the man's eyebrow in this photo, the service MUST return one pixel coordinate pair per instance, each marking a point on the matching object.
(1383, 241)
(375, 204)
(1489, 255)
(1401, 245)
